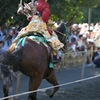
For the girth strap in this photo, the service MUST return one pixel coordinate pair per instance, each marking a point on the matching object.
(22, 40)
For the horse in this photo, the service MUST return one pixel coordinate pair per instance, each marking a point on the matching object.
(32, 59)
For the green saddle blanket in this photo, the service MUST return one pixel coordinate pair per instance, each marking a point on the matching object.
(37, 39)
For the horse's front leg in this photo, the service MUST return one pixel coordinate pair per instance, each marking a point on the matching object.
(34, 83)
(5, 91)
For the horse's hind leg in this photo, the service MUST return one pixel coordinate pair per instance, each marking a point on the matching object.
(52, 79)
(34, 83)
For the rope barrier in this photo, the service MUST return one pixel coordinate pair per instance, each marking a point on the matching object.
(69, 83)
(60, 33)
(80, 52)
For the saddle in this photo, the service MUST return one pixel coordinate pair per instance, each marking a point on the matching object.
(38, 37)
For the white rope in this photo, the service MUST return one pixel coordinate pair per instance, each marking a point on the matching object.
(56, 85)
(80, 52)
(69, 83)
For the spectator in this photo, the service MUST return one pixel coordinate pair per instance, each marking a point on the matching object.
(1, 45)
(2, 33)
(57, 24)
(9, 35)
(80, 45)
(96, 59)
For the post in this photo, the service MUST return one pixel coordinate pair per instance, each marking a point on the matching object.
(89, 18)
(84, 63)
(19, 75)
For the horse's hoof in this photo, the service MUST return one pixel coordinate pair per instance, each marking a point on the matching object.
(48, 92)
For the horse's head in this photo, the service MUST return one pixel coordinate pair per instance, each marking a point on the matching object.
(62, 33)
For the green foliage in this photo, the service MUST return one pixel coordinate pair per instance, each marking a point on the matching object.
(96, 14)
(66, 10)
(8, 10)
(73, 10)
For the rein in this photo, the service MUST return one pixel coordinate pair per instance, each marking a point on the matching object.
(64, 35)
(60, 33)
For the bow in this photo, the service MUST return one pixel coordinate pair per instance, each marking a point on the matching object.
(20, 3)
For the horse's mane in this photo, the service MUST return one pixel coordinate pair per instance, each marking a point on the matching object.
(62, 28)
(62, 34)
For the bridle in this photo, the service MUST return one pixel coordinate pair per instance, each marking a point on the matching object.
(60, 33)
(64, 35)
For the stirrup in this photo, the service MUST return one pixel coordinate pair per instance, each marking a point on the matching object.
(56, 60)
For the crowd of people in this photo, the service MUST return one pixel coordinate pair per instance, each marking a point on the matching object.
(82, 37)
(7, 35)
(86, 38)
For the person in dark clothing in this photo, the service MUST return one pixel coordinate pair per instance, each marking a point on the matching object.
(96, 58)
(1, 45)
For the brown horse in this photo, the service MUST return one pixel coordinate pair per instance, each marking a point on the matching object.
(32, 59)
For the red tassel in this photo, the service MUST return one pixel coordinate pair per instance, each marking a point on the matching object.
(29, 19)
(50, 31)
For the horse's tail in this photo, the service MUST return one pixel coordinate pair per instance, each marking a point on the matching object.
(6, 76)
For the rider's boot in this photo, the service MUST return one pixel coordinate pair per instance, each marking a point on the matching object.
(57, 57)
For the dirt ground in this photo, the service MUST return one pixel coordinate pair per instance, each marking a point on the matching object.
(86, 91)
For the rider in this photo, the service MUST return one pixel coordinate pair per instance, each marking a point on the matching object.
(41, 24)
(44, 9)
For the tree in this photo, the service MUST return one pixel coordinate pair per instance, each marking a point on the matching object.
(77, 8)
(74, 10)
(8, 10)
